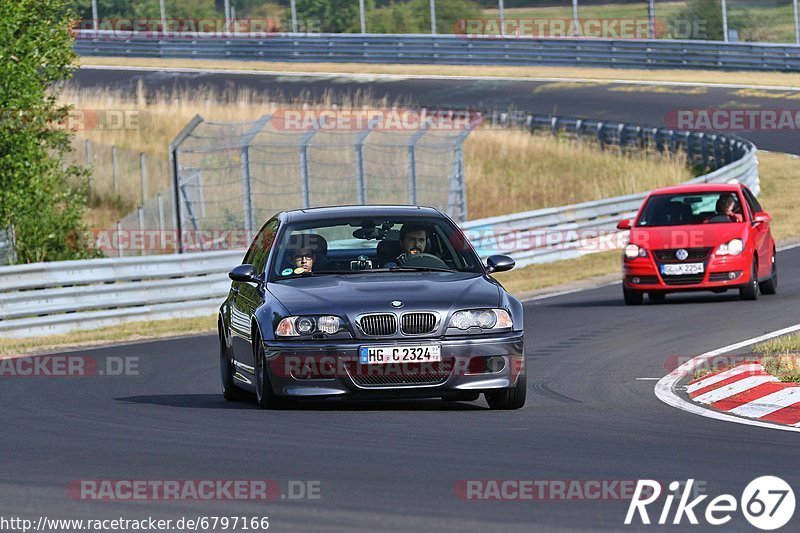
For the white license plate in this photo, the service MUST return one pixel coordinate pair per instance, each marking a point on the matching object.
(417, 353)
(686, 268)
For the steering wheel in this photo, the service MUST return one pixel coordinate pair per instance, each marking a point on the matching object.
(421, 260)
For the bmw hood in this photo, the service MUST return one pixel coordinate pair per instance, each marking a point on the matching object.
(353, 294)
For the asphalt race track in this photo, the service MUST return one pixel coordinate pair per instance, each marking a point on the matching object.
(647, 104)
(394, 465)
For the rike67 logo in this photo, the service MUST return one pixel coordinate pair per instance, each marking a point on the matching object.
(767, 503)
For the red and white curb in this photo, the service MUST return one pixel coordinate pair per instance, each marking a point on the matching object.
(750, 391)
(751, 376)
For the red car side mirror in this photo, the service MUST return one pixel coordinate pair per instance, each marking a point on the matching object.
(624, 224)
(761, 217)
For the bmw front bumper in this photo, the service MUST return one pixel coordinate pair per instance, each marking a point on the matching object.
(325, 369)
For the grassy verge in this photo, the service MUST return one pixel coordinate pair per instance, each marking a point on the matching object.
(782, 357)
(471, 71)
(130, 331)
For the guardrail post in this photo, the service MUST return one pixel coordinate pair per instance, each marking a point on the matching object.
(600, 135)
(89, 164)
(161, 223)
(141, 229)
(119, 239)
(433, 17)
(143, 169)
(114, 168)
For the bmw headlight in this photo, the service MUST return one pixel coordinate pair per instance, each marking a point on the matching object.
(481, 318)
(300, 326)
(633, 251)
(734, 247)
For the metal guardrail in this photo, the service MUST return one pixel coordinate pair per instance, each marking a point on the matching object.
(449, 49)
(567, 232)
(51, 298)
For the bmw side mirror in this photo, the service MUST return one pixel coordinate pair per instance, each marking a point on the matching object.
(624, 224)
(499, 263)
(246, 273)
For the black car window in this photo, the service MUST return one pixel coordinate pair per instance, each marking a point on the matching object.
(259, 250)
(752, 200)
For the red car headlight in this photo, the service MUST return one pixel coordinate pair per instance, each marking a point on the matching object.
(734, 247)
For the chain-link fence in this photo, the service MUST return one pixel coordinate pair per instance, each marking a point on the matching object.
(231, 177)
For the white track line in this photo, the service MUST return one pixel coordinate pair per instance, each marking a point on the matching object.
(716, 378)
(769, 403)
(665, 388)
(734, 388)
(390, 77)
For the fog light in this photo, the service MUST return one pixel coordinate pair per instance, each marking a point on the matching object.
(731, 275)
(495, 364)
(636, 280)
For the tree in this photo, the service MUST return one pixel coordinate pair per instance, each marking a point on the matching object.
(328, 16)
(36, 51)
(700, 19)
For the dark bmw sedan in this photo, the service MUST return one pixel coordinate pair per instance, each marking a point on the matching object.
(370, 302)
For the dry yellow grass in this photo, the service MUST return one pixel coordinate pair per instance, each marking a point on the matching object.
(780, 192)
(472, 71)
(127, 332)
(513, 171)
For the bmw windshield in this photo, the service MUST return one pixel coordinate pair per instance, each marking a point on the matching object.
(362, 246)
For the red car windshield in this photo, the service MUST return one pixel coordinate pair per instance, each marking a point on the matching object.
(687, 209)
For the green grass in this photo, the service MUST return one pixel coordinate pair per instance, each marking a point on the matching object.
(781, 357)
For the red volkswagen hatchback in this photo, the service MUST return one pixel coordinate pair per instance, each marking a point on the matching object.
(699, 237)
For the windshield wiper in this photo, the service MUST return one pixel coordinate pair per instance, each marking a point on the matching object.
(421, 269)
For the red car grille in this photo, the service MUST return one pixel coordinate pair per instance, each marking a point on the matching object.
(669, 256)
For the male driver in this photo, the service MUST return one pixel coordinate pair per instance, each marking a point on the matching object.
(413, 238)
(725, 210)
